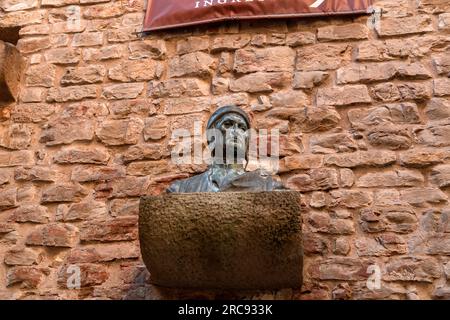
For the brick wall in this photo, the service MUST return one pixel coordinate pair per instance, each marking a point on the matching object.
(364, 115)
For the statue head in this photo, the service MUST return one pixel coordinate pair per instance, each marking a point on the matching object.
(228, 134)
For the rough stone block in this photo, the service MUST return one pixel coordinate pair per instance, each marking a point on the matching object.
(11, 67)
(223, 240)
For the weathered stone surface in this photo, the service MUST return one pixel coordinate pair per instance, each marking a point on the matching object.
(301, 162)
(380, 72)
(82, 156)
(120, 132)
(423, 157)
(177, 106)
(15, 136)
(196, 64)
(342, 96)
(87, 39)
(41, 174)
(90, 275)
(175, 88)
(351, 198)
(341, 247)
(16, 158)
(404, 26)
(230, 42)
(148, 168)
(390, 137)
(396, 178)
(354, 31)
(412, 269)
(296, 39)
(53, 235)
(401, 113)
(82, 211)
(124, 207)
(438, 109)
(155, 49)
(62, 56)
(123, 91)
(315, 179)
(118, 229)
(124, 109)
(151, 151)
(442, 87)
(11, 69)
(361, 158)
(394, 218)
(32, 95)
(8, 198)
(65, 130)
(389, 92)
(289, 99)
(384, 245)
(440, 176)
(135, 70)
(31, 213)
(22, 257)
(103, 53)
(331, 143)
(347, 269)
(74, 93)
(5, 177)
(313, 119)
(274, 59)
(322, 222)
(434, 134)
(250, 263)
(28, 277)
(29, 113)
(83, 75)
(58, 3)
(192, 44)
(439, 245)
(313, 244)
(103, 11)
(31, 45)
(41, 75)
(17, 5)
(96, 174)
(130, 187)
(442, 64)
(444, 21)
(421, 196)
(260, 82)
(309, 79)
(103, 253)
(22, 18)
(63, 193)
(321, 57)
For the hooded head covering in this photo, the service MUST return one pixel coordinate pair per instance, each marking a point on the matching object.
(219, 113)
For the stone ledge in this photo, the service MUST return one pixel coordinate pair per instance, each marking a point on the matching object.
(11, 68)
(223, 240)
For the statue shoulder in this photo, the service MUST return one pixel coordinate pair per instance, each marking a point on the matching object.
(193, 184)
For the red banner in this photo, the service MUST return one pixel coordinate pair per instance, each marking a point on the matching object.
(164, 14)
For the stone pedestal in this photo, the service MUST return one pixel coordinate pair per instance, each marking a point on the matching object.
(223, 240)
(11, 66)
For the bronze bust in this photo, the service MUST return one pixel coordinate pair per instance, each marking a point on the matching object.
(228, 140)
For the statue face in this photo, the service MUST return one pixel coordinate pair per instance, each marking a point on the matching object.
(235, 135)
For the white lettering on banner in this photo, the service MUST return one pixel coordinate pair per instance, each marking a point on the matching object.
(317, 3)
(210, 3)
